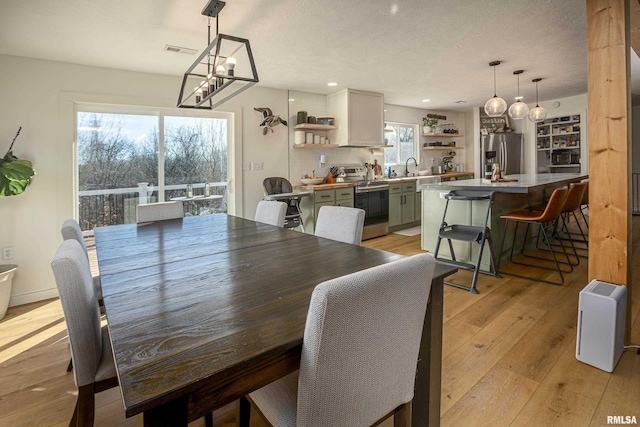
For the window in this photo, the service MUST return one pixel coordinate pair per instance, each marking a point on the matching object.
(403, 137)
(128, 158)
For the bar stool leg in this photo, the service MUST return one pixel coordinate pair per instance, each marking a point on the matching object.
(547, 242)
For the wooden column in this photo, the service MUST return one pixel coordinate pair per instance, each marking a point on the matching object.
(609, 140)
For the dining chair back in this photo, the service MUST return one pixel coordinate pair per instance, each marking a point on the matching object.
(340, 223)
(359, 352)
(94, 368)
(159, 211)
(271, 212)
(71, 230)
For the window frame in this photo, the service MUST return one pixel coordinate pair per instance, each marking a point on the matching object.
(416, 143)
(160, 113)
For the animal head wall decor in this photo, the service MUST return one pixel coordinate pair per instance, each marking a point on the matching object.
(269, 120)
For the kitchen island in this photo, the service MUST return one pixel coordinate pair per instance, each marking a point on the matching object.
(527, 190)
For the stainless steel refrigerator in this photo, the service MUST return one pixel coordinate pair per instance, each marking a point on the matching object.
(505, 149)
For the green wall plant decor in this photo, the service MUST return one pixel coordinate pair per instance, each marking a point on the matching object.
(15, 174)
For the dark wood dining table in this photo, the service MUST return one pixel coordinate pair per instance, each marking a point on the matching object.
(205, 309)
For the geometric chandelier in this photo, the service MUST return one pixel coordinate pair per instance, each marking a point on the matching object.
(223, 70)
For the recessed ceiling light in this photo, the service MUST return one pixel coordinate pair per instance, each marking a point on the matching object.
(332, 84)
(461, 102)
(291, 99)
(426, 100)
(519, 97)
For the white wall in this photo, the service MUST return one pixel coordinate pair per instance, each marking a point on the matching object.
(39, 96)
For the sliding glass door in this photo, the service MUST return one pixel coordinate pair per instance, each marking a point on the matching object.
(132, 157)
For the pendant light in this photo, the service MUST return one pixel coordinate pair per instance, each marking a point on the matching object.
(224, 69)
(496, 106)
(518, 109)
(538, 113)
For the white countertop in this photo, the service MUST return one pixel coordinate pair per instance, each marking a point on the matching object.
(526, 183)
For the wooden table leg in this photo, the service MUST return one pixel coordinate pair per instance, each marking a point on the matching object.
(426, 399)
(171, 414)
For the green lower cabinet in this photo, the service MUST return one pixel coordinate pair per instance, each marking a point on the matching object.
(395, 209)
(402, 204)
(330, 197)
(345, 203)
(408, 207)
(319, 205)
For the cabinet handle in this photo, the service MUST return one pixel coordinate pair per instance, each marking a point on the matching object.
(325, 196)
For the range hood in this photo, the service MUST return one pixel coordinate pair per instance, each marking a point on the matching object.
(359, 117)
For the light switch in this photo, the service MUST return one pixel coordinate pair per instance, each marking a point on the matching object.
(246, 166)
(257, 166)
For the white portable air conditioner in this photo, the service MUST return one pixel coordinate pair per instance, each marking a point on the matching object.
(601, 321)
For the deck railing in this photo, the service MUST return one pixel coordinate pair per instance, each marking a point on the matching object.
(118, 205)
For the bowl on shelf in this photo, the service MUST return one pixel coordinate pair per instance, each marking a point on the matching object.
(312, 181)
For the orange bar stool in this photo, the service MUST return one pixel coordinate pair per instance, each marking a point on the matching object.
(546, 220)
(572, 203)
(584, 206)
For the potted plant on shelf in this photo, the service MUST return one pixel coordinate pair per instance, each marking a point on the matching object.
(15, 174)
(429, 125)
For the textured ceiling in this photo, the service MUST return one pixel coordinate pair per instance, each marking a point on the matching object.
(408, 49)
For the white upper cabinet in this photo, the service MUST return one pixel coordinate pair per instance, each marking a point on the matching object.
(359, 116)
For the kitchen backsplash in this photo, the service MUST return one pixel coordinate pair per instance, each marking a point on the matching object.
(304, 161)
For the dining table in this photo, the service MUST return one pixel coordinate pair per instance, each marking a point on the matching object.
(205, 309)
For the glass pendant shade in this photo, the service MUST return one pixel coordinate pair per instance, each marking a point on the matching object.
(495, 107)
(518, 110)
(537, 114)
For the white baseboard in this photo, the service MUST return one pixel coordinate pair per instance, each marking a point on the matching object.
(33, 297)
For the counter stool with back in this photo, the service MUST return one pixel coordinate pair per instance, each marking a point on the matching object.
(546, 221)
(467, 233)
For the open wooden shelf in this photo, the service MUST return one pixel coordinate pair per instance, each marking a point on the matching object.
(450, 135)
(443, 147)
(318, 146)
(309, 126)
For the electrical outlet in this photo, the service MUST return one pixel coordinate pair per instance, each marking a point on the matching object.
(257, 166)
(7, 252)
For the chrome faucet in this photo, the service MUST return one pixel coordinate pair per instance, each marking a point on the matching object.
(406, 165)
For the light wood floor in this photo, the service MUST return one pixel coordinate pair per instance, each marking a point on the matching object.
(508, 359)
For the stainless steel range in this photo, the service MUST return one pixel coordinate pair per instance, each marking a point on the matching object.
(372, 197)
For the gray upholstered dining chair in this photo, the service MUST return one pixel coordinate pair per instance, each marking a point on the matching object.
(340, 223)
(71, 230)
(271, 212)
(94, 369)
(359, 352)
(159, 211)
